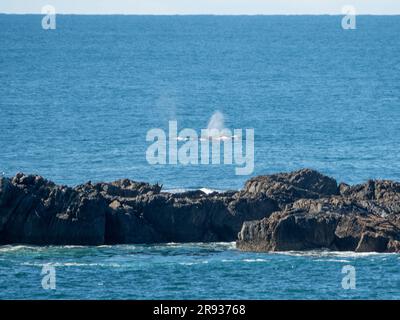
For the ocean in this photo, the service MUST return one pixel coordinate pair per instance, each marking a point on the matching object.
(77, 102)
(194, 271)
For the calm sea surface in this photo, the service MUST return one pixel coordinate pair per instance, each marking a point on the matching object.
(76, 104)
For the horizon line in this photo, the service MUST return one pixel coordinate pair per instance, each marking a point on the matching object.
(199, 14)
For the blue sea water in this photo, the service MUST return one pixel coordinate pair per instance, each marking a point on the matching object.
(76, 104)
(193, 271)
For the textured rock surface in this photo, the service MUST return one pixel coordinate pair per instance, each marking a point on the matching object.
(289, 211)
(362, 218)
(36, 211)
(288, 187)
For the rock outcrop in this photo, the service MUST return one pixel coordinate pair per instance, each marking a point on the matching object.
(361, 218)
(36, 211)
(301, 210)
(288, 187)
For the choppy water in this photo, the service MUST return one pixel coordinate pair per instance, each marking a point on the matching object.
(76, 104)
(193, 271)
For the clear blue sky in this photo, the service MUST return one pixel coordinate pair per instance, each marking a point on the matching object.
(202, 6)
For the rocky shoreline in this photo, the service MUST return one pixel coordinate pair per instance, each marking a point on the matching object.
(302, 210)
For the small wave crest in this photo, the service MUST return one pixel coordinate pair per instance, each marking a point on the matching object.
(72, 264)
(254, 260)
(327, 254)
(193, 263)
(13, 248)
(183, 190)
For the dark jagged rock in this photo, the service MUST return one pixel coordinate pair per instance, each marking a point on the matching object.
(289, 187)
(195, 216)
(34, 210)
(301, 210)
(362, 219)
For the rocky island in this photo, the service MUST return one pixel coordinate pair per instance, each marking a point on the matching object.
(302, 210)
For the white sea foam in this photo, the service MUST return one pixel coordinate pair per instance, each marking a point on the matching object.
(187, 263)
(193, 263)
(333, 260)
(208, 191)
(222, 245)
(73, 247)
(245, 260)
(228, 260)
(182, 190)
(72, 264)
(12, 248)
(254, 260)
(327, 253)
